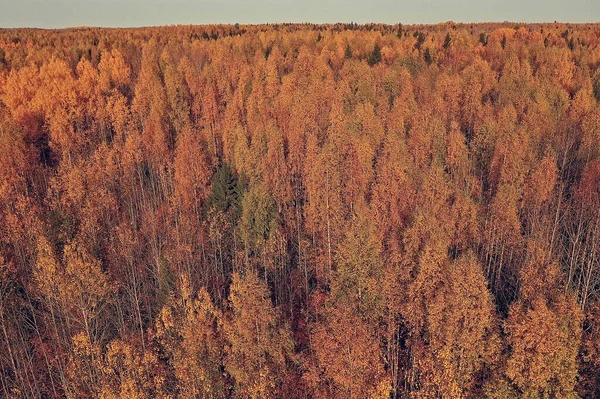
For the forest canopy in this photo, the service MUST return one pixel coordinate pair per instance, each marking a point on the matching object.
(300, 211)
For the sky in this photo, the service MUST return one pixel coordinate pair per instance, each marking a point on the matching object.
(129, 13)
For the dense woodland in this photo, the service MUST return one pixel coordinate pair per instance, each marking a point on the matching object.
(300, 211)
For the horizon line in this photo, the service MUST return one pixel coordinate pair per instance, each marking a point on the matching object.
(301, 23)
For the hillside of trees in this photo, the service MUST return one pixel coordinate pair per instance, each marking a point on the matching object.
(300, 211)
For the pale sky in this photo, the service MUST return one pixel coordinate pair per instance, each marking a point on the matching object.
(127, 13)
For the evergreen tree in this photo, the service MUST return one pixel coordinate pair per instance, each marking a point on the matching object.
(375, 57)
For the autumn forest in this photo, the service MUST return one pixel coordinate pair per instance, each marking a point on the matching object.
(300, 211)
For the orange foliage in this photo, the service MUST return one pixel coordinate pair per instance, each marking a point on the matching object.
(296, 210)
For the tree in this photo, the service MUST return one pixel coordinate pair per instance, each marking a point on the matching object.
(257, 220)
(75, 292)
(460, 341)
(447, 41)
(178, 95)
(191, 181)
(420, 39)
(149, 106)
(114, 72)
(257, 341)
(544, 330)
(589, 359)
(358, 273)
(375, 57)
(132, 373)
(189, 331)
(347, 356)
(428, 57)
(596, 87)
(348, 52)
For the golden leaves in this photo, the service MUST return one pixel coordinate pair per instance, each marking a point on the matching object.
(258, 342)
